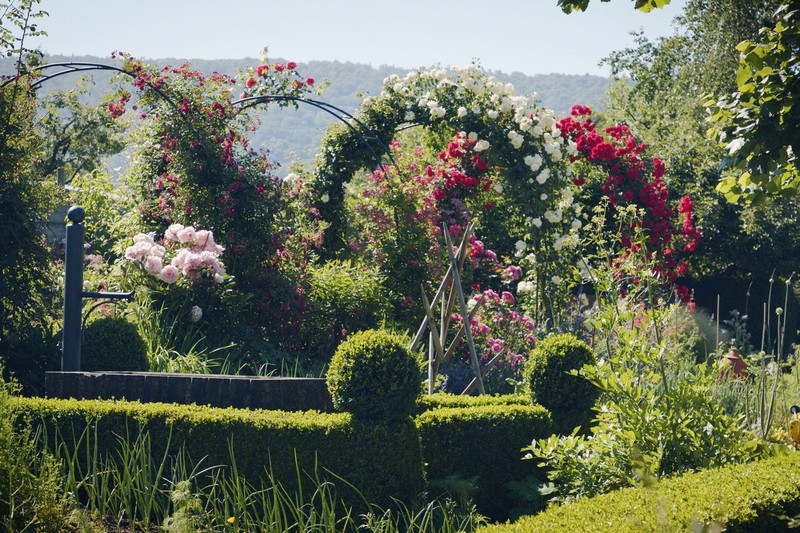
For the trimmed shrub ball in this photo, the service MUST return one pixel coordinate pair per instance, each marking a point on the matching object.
(113, 343)
(374, 376)
(569, 398)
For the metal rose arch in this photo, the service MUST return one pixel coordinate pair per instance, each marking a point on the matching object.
(371, 140)
(73, 294)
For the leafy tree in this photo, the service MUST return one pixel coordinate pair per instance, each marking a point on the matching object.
(659, 93)
(26, 283)
(757, 124)
(78, 136)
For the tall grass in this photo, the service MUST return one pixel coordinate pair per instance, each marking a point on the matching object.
(133, 488)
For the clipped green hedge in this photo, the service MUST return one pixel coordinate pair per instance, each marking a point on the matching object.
(483, 442)
(757, 496)
(382, 462)
(443, 399)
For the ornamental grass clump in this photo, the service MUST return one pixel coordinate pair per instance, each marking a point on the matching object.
(374, 376)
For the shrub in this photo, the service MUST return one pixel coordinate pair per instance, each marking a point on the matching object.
(345, 299)
(567, 396)
(113, 343)
(440, 400)
(381, 461)
(758, 496)
(453, 439)
(374, 376)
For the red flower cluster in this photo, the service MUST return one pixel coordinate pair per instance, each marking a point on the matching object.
(462, 170)
(634, 181)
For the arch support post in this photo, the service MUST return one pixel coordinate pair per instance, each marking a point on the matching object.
(73, 285)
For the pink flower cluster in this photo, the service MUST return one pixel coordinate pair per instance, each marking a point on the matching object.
(194, 255)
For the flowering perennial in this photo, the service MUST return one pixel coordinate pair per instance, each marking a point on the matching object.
(632, 180)
(191, 253)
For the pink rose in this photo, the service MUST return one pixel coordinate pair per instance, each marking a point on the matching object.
(153, 266)
(170, 274)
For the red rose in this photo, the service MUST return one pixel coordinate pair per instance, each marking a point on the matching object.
(309, 81)
(250, 82)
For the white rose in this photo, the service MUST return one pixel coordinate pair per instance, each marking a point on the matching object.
(482, 145)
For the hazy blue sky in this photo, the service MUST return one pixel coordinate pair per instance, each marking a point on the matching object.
(529, 36)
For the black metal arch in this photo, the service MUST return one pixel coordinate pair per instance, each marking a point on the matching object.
(337, 112)
(244, 103)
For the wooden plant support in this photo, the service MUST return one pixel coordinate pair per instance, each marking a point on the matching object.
(450, 293)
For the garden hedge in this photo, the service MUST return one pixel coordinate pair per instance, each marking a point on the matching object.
(380, 461)
(759, 496)
(483, 443)
(442, 399)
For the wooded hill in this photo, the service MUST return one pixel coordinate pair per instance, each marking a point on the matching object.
(293, 135)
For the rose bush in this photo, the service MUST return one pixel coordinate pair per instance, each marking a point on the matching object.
(193, 163)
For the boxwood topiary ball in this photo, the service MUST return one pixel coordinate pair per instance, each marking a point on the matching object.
(113, 343)
(374, 376)
(549, 383)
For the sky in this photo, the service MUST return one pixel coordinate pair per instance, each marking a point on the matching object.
(528, 36)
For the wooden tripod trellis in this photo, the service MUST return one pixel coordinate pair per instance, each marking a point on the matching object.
(450, 293)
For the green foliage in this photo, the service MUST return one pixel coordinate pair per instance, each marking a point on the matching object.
(449, 436)
(28, 284)
(113, 343)
(757, 124)
(758, 496)
(78, 137)
(553, 384)
(374, 376)
(346, 298)
(445, 400)
(381, 461)
(107, 205)
(568, 6)
(30, 482)
(18, 24)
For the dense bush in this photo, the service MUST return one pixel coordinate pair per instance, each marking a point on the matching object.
(113, 343)
(759, 496)
(374, 376)
(381, 461)
(569, 397)
(345, 298)
(481, 445)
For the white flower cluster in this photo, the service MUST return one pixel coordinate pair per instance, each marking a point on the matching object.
(531, 130)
